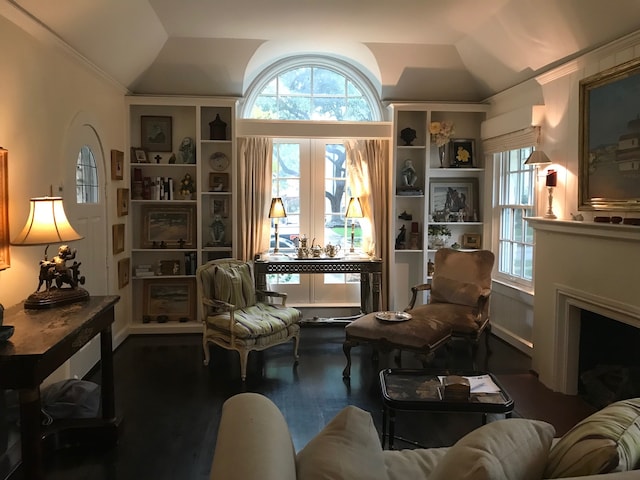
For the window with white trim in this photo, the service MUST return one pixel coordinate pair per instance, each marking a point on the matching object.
(86, 176)
(515, 200)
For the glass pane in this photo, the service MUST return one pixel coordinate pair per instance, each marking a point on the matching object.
(270, 88)
(517, 260)
(358, 110)
(352, 90)
(86, 177)
(297, 80)
(328, 82)
(294, 108)
(505, 257)
(265, 107)
(518, 226)
(528, 262)
(528, 235)
(283, 279)
(505, 224)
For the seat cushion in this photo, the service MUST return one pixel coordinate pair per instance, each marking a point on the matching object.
(256, 321)
(460, 318)
(586, 448)
(348, 447)
(417, 333)
(514, 449)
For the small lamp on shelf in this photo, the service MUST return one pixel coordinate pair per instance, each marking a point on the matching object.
(276, 211)
(47, 223)
(354, 210)
(551, 182)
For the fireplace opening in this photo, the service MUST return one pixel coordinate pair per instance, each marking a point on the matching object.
(609, 360)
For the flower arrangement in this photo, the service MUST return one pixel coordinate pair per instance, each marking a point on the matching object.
(186, 185)
(439, 231)
(441, 132)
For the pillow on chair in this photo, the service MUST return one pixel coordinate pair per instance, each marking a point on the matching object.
(448, 290)
(233, 284)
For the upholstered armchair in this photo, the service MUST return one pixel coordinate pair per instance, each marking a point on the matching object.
(235, 319)
(459, 293)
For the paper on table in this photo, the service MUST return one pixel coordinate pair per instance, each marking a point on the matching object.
(483, 384)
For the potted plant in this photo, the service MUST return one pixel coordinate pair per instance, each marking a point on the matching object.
(438, 235)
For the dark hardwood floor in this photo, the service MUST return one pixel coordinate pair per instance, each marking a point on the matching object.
(170, 403)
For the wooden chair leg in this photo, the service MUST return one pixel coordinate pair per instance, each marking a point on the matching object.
(346, 348)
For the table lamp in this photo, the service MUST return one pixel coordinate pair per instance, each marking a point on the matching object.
(354, 210)
(277, 211)
(47, 223)
(552, 181)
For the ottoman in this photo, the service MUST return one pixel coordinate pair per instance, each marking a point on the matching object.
(423, 336)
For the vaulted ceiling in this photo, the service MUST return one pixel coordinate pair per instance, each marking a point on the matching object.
(442, 50)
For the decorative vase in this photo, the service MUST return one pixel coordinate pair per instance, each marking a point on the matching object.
(442, 155)
(218, 129)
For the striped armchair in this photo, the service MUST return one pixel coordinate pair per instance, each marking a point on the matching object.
(234, 318)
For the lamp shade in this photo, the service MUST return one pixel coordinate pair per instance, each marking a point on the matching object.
(537, 157)
(277, 208)
(47, 223)
(354, 209)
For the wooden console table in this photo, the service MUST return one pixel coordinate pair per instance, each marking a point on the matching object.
(44, 340)
(370, 271)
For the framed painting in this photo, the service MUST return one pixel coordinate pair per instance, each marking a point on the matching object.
(117, 237)
(462, 152)
(219, 206)
(609, 150)
(124, 272)
(218, 182)
(175, 298)
(171, 226)
(122, 197)
(471, 240)
(139, 155)
(4, 210)
(453, 199)
(155, 133)
(117, 165)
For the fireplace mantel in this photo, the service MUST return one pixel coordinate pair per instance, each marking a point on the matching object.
(592, 229)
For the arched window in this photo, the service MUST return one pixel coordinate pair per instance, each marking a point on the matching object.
(312, 88)
(86, 176)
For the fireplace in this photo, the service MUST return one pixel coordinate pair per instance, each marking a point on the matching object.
(580, 266)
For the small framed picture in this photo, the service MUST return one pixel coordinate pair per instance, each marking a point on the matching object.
(155, 133)
(123, 201)
(471, 240)
(117, 165)
(117, 236)
(219, 206)
(124, 269)
(173, 297)
(170, 267)
(462, 152)
(139, 155)
(218, 182)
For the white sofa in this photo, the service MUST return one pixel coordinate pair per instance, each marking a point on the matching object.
(254, 443)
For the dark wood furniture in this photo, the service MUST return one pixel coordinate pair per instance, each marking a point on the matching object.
(370, 271)
(44, 340)
(409, 389)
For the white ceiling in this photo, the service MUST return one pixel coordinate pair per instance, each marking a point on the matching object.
(455, 50)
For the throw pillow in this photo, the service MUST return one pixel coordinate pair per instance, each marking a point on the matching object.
(586, 448)
(514, 448)
(448, 290)
(347, 447)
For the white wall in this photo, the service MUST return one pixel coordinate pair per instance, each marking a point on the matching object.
(43, 88)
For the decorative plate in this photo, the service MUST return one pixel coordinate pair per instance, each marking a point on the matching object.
(219, 161)
(393, 316)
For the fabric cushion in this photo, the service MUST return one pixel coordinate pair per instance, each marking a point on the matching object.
(512, 449)
(448, 290)
(256, 321)
(233, 284)
(409, 464)
(348, 447)
(586, 448)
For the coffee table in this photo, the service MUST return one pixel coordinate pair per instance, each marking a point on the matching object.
(421, 390)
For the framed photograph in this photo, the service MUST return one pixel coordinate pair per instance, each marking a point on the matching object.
(173, 297)
(139, 155)
(173, 225)
(462, 152)
(155, 133)
(4, 210)
(117, 165)
(609, 151)
(117, 237)
(170, 267)
(472, 240)
(122, 195)
(218, 182)
(219, 206)
(124, 272)
(453, 199)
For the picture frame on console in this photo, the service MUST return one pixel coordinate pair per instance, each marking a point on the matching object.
(609, 139)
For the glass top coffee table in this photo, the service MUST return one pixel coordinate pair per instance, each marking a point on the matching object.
(423, 390)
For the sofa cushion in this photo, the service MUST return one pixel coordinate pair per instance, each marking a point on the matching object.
(347, 447)
(513, 449)
(409, 464)
(586, 449)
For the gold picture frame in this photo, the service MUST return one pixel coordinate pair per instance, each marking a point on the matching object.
(174, 226)
(4, 210)
(471, 240)
(174, 298)
(609, 156)
(124, 272)
(117, 238)
(122, 198)
(117, 165)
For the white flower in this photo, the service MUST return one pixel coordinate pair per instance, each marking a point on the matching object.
(441, 132)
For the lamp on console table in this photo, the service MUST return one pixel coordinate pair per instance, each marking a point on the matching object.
(277, 211)
(354, 210)
(47, 223)
(552, 181)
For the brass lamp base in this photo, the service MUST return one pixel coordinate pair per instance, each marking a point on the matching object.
(55, 297)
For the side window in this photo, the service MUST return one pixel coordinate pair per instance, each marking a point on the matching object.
(86, 177)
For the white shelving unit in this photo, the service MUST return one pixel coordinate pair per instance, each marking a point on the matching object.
(409, 267)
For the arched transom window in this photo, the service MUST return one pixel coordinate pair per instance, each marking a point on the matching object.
(86, 176)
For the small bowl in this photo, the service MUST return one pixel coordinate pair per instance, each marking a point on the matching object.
(5, 332)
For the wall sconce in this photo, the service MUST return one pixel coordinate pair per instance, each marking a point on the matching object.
(354, 210)
(47, 223)
(552, 181)
(277, 211)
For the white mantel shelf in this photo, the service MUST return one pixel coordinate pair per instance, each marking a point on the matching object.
(592, 229)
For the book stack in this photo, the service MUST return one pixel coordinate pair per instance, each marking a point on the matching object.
(144, 271)
(456, 388)
(190, 259)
